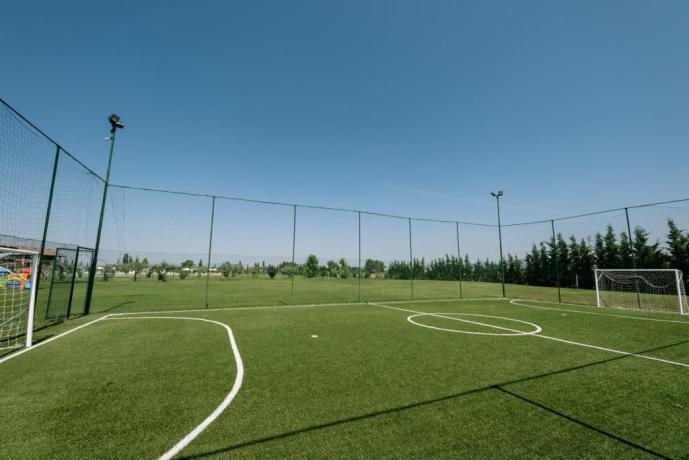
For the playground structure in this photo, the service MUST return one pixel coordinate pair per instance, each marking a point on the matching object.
(9, 279)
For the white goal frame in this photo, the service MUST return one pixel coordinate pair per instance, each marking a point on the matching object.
(32, 296)
(676, 275)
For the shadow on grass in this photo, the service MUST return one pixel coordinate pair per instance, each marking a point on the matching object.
(114, 307)
(497, 386)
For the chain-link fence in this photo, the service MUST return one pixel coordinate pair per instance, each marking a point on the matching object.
(166, 249)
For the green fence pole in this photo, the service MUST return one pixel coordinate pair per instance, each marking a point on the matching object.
(50, 289)
(411, 261)
(359, 241)
(74, 279)
(210, 247)
(631, 238)
(41, 254)
(633, 254)
(459, 259)
(556, 256)
(502, 263)
(294, 245)
(92, 275)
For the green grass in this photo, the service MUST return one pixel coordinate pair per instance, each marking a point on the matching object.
(125, 295)
(370, 385)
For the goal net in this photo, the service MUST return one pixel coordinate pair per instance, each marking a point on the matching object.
(18, 274)
(656, 290)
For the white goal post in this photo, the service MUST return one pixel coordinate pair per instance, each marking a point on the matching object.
(18, 274)
(641, 289)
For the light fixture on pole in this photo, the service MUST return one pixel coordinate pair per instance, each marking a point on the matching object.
(115, 124)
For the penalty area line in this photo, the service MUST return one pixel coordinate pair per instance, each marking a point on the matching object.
(239, 378)
(556, 339)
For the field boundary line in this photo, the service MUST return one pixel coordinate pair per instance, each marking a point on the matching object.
(639, 318)
(556, 339)
(51, 339)
(437, 300)
(258, 307)
(239, 378)
(280, 307)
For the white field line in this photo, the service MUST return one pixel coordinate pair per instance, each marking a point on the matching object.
(556, 339)
(40, 344)
(441, 300)
(536, 327)
(281, 307)
(440, 315)
(193, 434)
(595, 307)
(261, 307)
(639, 318)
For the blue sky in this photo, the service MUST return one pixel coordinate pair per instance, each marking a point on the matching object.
(414, 108)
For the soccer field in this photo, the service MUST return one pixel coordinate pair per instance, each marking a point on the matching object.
(474, 378)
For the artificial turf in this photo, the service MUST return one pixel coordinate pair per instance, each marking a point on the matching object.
(123, 294)
(371, 384)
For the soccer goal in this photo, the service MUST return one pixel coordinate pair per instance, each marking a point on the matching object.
(657, 290)
(18, 274)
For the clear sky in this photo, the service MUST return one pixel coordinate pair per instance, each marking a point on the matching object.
(417, 108)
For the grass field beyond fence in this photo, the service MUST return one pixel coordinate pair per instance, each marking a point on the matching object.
(126, 295)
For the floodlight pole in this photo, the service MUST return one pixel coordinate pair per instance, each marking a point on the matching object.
(114, 121)
(497, 196)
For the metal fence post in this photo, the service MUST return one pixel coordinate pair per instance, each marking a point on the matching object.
(411, 261)
(459, 259)
(294, 242)
(633, 254)
(359, 241)
(71, 287)
(58, 149)
(556, 256)
(210, 246)
(631, 238)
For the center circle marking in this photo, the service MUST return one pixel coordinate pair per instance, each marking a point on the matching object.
(507, 333)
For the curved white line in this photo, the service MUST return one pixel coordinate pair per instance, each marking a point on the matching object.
(571, 342)
(514, 332)
(193, 434)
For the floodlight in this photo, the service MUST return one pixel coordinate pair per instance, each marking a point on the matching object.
(115, 122)
(499, 193)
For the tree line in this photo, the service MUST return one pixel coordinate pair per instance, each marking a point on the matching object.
(573, 259)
